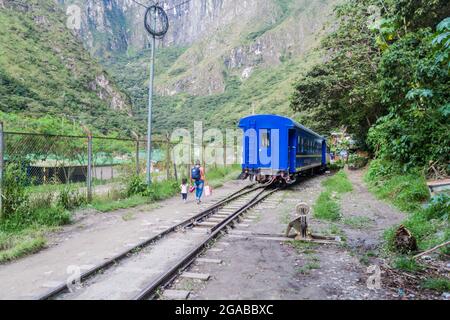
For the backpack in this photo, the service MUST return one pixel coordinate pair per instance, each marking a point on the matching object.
(195, 173)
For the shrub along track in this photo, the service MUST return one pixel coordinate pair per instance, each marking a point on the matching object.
(250, 194)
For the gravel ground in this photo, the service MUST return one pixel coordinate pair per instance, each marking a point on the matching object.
(93, 238)
(273, 269)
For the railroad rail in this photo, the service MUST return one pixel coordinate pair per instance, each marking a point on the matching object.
(187, 224)
(151, 291)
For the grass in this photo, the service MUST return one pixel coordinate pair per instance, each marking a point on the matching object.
(407, 264)
(303, 247)
(312, 265)
(438, 284)
(338, 183)
(357, 222)
(427, 220)
(22, 230)
(106, 205)
(216, 177)
(327, 206)
(13, 246)
(407, 192)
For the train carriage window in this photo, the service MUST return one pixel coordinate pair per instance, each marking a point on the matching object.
(265, 138)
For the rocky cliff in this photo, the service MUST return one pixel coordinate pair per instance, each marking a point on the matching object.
(222, 37)
(44, 69)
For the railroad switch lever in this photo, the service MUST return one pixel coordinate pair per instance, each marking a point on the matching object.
(300, 223)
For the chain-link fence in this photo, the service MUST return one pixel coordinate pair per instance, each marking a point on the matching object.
(94, 166)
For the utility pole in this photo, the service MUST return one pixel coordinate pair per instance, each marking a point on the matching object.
(157, 24)
(150, 106)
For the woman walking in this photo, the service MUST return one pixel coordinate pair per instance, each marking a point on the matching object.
(198, 178)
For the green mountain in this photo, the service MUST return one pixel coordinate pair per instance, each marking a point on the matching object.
(45, 71)
(221, 60)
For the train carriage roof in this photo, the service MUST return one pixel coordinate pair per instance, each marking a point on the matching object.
(275, 121)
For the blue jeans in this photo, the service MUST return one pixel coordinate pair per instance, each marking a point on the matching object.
(199, 184)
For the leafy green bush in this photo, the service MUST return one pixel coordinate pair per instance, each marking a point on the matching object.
(15, 195)
(356, 161)
(136, 185)
(438, 207)
(337, 165)
(406, 191)
(380, 169)
(21, 211)
(156, 191)
(161, 190)
(69, 198)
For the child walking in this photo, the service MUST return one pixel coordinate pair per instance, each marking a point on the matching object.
(184, 189)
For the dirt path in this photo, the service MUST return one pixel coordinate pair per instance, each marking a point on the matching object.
(94, 238)
(269, 269)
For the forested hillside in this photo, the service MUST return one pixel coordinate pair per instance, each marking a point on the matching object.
(45, 72)
(386, 80)
(219, 61)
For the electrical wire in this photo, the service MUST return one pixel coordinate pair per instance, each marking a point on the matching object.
(178, 5)
(142, 5)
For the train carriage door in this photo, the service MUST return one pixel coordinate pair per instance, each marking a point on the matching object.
(250, 146)
(265, 150)
(292, 151)
(324, 153)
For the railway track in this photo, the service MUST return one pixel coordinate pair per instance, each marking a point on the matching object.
(211, 222)
(151, 291)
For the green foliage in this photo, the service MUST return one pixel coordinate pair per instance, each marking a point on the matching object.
(406, 191)
(45, 70)
(13, 246)
(136, 185)
(327, 207)
(15, 195)
(70, 198)
(386, 78)
(438, 284)
(343, 91)
(415, 87)
(438, 207)
(429, 223)
(156, 191)
(356, 161)
(338, 183)
(407, 264)
(337, 165)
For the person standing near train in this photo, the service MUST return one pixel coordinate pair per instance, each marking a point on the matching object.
(198, 178)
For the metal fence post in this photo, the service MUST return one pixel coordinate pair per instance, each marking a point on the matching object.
(138, 171)
(168, 160)
(138, 165)
(1, 169)
(89, 169)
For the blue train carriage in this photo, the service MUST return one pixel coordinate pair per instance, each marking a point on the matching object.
(298, 148)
